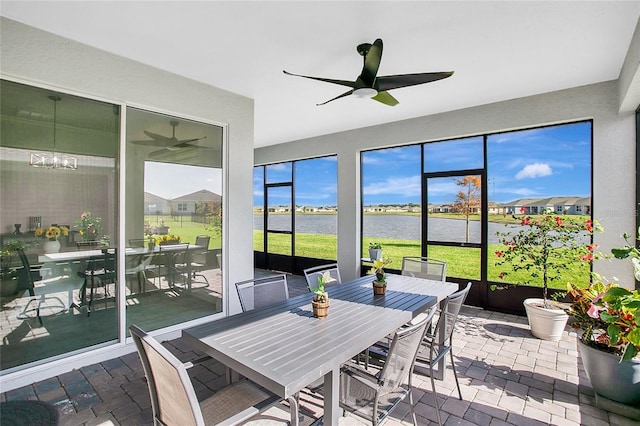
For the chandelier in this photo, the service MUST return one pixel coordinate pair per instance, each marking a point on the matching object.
(54, 160)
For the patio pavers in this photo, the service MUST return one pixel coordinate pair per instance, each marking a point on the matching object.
(507, 377)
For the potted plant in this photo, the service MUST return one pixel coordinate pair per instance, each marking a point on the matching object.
(320, 301)
(90, 227)
(546, 248)
(51, 235)
(607, 316)
(380, 283)
(8, 273)
(375, 251)
(168, 239)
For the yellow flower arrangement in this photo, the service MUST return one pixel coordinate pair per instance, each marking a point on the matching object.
(52, 233)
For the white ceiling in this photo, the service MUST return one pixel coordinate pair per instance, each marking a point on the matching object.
(498, 50)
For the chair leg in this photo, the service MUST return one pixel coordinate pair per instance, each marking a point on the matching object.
(435, 394)
(455, 375)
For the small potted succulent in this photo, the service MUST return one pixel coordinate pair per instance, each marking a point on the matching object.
(375, 251)
(320, 301)
(380, 283)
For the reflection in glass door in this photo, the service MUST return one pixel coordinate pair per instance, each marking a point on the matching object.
(174, 219)
(58, 168)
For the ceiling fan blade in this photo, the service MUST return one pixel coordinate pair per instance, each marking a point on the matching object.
(157, 137)
(405, 80)
(337, 97)
(372, 60)
(185, 152)
(385, 98)
(185, 142)
(326, 80)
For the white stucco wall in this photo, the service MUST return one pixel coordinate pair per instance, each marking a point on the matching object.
(32, 56)
(613, 157)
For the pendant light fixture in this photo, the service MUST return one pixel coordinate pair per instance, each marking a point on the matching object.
(54, 160)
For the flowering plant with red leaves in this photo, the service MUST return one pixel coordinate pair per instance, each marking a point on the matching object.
(546, 247)
(608, 316)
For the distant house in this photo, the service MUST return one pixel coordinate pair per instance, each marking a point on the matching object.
(186, 204)
(154, 204)
(558, 205)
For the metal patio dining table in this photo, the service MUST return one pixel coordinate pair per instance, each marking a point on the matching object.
(283, 348)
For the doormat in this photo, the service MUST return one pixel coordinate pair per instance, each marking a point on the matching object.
(28, 413)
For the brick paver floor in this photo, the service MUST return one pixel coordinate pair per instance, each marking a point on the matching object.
(507, 377)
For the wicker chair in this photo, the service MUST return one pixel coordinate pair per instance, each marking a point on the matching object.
(424, 267)
(312, 274)
(173, 398)
(375, 396)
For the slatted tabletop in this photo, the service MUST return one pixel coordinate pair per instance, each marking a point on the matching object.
(284, 348)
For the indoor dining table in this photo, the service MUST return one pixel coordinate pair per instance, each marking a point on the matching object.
(283, 348)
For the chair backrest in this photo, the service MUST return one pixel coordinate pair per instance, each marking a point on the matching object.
(83, 245)
(203, 241)
(27, 269)
(136, 242)
(402, 353)
(178, 253)
(173, 398)
(265, 291)
(312, 274)
(449, 314)
(424, 267)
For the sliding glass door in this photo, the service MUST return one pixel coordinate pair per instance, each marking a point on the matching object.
(173, 219)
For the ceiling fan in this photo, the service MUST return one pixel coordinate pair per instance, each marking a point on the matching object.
(369, 85)
(168, 143)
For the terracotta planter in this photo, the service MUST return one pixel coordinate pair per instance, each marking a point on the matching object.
(379, 288)
(545, 323)
(320, 309)
(610, 378)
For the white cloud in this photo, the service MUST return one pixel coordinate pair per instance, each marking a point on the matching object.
(405, 186)
(534, 171)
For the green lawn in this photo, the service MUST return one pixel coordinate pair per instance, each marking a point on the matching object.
(186, 229)
(461, 262)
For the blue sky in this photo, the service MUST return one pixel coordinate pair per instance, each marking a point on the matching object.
(536, 163)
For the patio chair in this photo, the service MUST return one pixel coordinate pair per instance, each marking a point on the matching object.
(375, 396)
(424, 267)
(259, 292)
(137, 265)
(173, 397)
(436, 343)
(100, 271)
(173, 264)
(37, 292)
(201, 260)
(312, 274)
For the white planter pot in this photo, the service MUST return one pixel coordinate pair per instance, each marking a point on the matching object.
(545, 323)
(375, 254)
(51, 246)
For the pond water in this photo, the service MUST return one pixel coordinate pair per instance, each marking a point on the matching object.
(402, 227)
